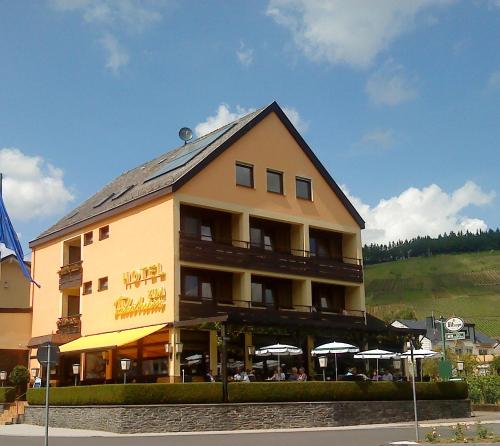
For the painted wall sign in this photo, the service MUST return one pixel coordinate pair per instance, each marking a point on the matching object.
(454, 324)
(154, 302)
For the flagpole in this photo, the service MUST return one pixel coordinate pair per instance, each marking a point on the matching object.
(1, 181)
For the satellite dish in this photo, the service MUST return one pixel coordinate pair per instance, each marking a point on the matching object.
(185, 133)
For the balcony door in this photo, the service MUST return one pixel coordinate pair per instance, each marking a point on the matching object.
(198, 284)
(329, 298)
(73, 305)
(271, 293)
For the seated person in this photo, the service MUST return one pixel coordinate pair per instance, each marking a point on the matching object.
(294, 376)
(387, 376)
(302, 375)
(240, 375)
(278, 375)
(210, 377)
(251, 375)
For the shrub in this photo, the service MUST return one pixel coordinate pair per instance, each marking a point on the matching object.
(7, 394)
(124, 394)
(484, 389)
(343, 391)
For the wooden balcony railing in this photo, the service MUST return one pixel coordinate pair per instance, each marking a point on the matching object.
(70, 276)
(242, 254)
(241, 311)
(69, 324)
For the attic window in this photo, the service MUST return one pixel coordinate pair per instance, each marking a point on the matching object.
(104, 200)
(123, 192)
(104, 233)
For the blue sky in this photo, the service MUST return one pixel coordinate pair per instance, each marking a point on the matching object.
(400, 100)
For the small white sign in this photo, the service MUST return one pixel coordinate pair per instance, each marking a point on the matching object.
(455, 336)
(454, 324)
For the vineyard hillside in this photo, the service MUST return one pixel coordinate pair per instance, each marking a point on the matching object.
(465, 285)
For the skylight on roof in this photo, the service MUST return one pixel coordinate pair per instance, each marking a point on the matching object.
(187, 153)
(72, 215)
(122, 192)
(111, 195)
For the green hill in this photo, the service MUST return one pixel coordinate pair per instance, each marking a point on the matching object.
(465, 285)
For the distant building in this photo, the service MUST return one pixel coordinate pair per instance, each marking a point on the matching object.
(15, 314)
(475, 342)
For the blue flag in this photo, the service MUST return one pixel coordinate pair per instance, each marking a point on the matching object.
(9, 238)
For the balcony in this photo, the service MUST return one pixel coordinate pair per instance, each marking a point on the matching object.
(244, 312)
(70, 276)
(242, 254)
(69, 324)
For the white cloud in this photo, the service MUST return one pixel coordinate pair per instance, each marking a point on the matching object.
(294, 116)
(117, 56)
(427, 211)
(118, 16)
(390, 85)
(494, 80)
(245, 55)
(224, 116)
(32, 187)
(378, 139)
(348, 32)
(134, 14)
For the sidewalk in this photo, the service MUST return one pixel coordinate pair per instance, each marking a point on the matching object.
(27, 430)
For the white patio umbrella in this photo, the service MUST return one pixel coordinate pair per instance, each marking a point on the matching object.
(421, 353)
(334, 348)
(278, 350)
(376, 354)
(193, 359)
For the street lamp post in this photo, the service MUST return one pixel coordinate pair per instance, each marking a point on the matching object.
(3, 376)
(125, 366)
(76, 372)
(323, 362)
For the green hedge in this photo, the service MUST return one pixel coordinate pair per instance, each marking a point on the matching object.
(188, 393)
(7, 394)
(204, 393)
(343, 391)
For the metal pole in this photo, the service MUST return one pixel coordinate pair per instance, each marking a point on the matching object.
(442, 337)
(324, 376)
(124, 377)
(75, 380)
(336, 375)
(377, 370)
(224, 363)
(47, 397)
(414, 392)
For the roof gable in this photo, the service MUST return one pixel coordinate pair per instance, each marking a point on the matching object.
(155, 178)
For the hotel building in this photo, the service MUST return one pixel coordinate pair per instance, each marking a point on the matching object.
(242, 228)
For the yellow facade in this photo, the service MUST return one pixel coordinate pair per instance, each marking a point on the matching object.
(141, 256)
(15, 314)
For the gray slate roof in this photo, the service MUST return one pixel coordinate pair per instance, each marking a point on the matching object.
(135, 184)
(434, 334)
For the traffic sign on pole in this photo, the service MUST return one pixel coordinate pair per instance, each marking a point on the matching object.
(455, 336)
(42, 354)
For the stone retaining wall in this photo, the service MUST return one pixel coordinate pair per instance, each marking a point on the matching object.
(220, 417)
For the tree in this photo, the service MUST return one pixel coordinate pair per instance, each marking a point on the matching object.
(19, 377)
(495, 365)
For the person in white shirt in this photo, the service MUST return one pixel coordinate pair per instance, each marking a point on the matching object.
(387, 376)
(278, 375)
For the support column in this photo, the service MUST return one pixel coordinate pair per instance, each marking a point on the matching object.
(310, 360)
(175, 362)
(248, 358)
(213, 352)
(109, 365)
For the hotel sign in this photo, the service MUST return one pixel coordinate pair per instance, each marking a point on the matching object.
(142, 275)
(153, 302)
